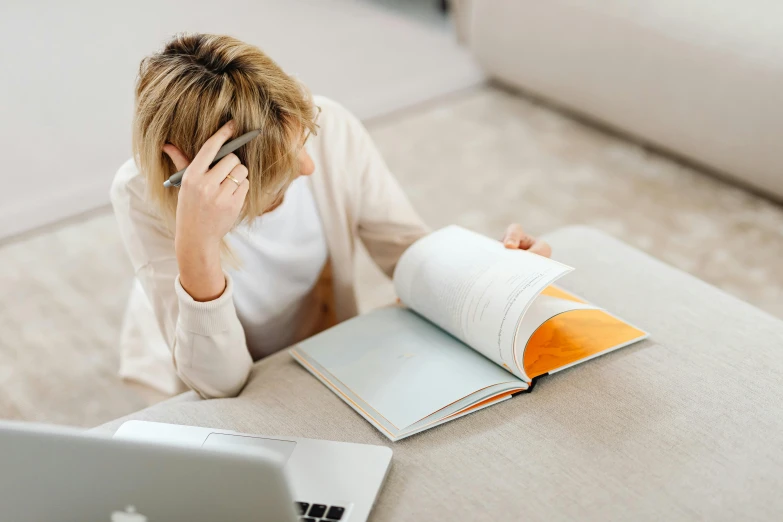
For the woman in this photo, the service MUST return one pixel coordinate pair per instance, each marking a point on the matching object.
(257, 252)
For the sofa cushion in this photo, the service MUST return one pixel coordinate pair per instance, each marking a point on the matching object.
(701, 79)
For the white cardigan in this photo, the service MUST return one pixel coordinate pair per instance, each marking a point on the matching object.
(169, 339)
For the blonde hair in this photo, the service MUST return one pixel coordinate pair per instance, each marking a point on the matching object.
(197, 83)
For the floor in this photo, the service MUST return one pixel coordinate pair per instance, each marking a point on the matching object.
(372, 57)
(507, 159)
(481, 159)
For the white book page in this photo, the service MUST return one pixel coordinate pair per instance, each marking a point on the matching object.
(401, 365)
(474, 288)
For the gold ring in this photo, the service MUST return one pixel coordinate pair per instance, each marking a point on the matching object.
(232, 178)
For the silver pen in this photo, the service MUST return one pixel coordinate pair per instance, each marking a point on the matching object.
(176, 179)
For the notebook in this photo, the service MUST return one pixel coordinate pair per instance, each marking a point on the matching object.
(477, 325)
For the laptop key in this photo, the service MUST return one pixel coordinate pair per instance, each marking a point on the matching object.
(317, 511)
(307, 519)
(335, 513)
(302, 507)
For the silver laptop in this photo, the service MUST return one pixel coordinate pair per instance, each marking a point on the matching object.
(151, 472)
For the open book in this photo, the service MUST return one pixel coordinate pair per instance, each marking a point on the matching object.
(481, 322)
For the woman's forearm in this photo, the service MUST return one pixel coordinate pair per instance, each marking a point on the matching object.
(200, 272)
(209, 201)
(209, 345)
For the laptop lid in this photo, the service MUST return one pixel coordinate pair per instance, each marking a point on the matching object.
(63, 475)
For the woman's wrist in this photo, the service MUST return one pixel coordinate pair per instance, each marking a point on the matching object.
(200, 271)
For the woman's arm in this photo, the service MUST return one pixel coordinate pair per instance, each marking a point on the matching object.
(198, 320)
(386, 221)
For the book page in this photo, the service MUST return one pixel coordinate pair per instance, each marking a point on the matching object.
(561, 330)
(402, 366)
(543, 309)
(474, 288)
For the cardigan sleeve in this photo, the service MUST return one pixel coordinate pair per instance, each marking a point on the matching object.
(206, 339)
(385, 220)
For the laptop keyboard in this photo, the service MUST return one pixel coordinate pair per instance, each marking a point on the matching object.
(319, 512)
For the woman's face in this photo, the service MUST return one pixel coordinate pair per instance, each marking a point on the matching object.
(306, 167)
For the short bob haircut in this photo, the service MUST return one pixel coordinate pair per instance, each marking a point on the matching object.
(197, 83)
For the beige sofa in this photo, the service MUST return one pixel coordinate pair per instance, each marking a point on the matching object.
(703, 80)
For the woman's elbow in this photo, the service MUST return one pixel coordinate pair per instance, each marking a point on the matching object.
(217, 378)
(221, 386)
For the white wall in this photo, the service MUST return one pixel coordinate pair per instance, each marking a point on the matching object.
(67, 72)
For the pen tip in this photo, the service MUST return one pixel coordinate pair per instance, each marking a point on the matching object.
(167, 184)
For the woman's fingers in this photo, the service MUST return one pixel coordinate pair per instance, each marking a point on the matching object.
(205, 155)
(241, 191)
(209, 150)
(516, 238)
(541, 248)
(513, 236)
(229, 186)
(239, 173)
(177, 157)
(223, 168)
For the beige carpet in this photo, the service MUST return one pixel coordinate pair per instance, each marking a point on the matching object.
(483, 159)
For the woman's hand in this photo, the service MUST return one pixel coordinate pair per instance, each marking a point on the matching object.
(516, 238)
(208, 206)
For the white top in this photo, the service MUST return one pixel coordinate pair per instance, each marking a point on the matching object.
(281, 255)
